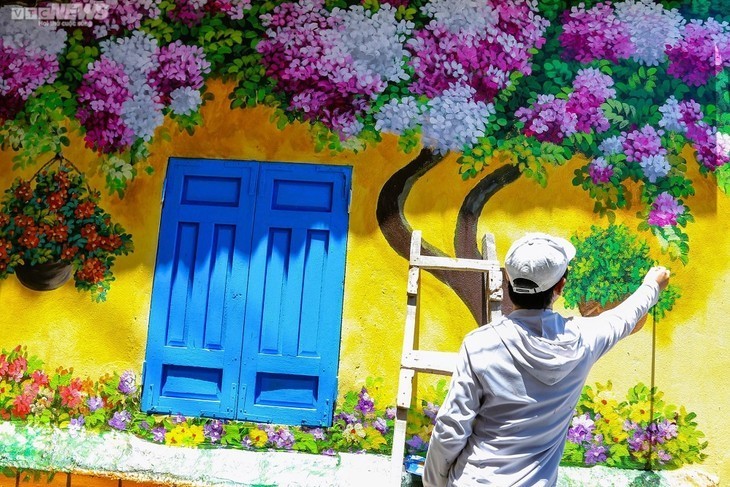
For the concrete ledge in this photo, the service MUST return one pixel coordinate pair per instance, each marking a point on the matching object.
(127, 457)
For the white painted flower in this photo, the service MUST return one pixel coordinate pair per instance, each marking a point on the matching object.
(397, 116)
(672, 116)
(466, 16)
(655, 167)
(375, 42)
(30, 34)
(185, 100)
(651, 28)
(612, 145)
(454, 120)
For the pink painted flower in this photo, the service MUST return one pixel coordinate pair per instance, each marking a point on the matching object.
(665, 210)
(481, 48)
(177, 66)
(593, 34)
(101, 97)
(548, 120)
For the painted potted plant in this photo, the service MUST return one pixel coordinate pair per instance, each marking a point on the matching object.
(52, 227)
(610, 263)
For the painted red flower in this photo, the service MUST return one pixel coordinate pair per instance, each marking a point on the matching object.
(57, 233)
(68, 253)
(3, 365)
(17, 369)
(23, 221)
(4, 219)
(29, 239)
(71, 396)
(85, 210)
(40, 378)
(57, 200)
(21, 406)
(91, 271)
(24, 192)
(61, 178)
(111, 243)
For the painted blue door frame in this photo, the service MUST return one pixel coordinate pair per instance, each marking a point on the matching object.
(247, 299)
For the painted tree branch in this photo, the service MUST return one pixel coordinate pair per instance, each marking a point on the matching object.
(465, 236)
(397, 231)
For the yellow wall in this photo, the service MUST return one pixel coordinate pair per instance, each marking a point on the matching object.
(65, 329)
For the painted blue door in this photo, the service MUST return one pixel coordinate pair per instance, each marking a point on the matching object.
(247, 299)
(198, 296)
(294, 304)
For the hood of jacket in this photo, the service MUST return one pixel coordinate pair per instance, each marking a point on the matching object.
(539, 342)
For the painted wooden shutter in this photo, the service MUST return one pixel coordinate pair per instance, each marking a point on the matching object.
(198, 297)
(294, 305)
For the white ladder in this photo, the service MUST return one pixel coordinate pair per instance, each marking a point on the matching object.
(434, 362)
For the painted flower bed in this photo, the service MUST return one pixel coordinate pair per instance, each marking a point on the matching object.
(606, 430)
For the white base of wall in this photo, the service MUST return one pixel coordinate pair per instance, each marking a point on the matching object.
(126, 456)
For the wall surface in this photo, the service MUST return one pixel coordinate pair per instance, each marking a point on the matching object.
(683, 354)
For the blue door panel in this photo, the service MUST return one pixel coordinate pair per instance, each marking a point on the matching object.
(196, 318)
(295, 294)
(247, 298)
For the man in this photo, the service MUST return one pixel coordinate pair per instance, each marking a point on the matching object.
(517, 382)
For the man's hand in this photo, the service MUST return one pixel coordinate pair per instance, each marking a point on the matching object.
(658, 274)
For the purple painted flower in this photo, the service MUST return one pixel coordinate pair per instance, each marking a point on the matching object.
(581, 429)
(600, 171)
(346, 417)
(365, 403)
(477, 44)
(213, 430)
(380, 425)
(431, 410)
(663, 457)
(639, 441)
(596, 454)
(329, 452)
(158, 434)
(548, 120)
(95, 403)
(318, 433)
(642, 143)
(127, 383)
(120, 420)
(280, 437)
(702, 52)
(416, 444)
(101, 96)
(665, 210)
(591, 89)
(77, 423)
(390, 413)
(178, 418)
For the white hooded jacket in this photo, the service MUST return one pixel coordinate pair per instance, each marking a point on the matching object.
(513, 393)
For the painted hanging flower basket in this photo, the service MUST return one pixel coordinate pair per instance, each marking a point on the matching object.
(610, 263)
(52, 228)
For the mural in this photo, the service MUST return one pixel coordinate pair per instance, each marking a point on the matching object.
(635, 91)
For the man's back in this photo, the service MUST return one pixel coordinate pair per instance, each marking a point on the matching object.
(513, 395)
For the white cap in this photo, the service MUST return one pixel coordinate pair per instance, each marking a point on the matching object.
(540, 258)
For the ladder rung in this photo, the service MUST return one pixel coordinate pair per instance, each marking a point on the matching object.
(430, 361)
(476, 265)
